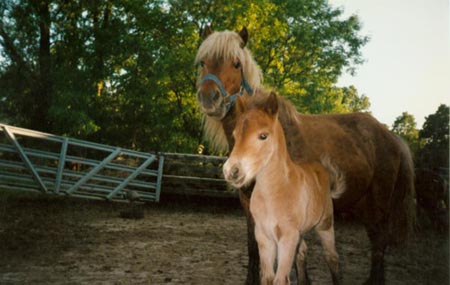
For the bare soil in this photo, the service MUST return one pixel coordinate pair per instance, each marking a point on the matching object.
(48, 240)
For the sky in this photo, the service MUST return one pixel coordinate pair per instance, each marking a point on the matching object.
(407, 67)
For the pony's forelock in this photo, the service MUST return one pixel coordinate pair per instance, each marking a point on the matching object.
(220, 45)
(227, 45)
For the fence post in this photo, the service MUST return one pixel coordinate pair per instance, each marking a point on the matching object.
(159, 178)
(24, 158)
(61, 162)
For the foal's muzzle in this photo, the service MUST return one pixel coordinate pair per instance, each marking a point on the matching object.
(233, 174)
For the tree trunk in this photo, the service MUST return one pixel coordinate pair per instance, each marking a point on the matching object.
(43, 93)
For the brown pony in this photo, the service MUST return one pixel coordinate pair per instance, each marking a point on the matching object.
(288, 199)
(371, 169)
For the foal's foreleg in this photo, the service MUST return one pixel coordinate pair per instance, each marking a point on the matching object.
(267, 254)
(331, 256)
(253, 256)
(287, 246)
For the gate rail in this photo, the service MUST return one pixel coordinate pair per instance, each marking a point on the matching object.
(37, 161)
(195, 175)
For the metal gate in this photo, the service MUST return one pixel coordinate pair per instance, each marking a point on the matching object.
(36, 161)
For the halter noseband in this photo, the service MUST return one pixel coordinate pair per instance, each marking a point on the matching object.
(244, 86)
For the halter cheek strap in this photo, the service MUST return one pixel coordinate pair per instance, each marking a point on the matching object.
(244, 86)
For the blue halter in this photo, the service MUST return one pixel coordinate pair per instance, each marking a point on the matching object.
(244, 86)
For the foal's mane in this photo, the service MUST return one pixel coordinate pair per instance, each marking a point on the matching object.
(287, 114)
(226, 45)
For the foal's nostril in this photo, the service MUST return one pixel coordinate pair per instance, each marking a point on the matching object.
(234, 172)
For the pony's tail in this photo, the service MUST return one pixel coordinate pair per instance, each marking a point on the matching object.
(402, 212)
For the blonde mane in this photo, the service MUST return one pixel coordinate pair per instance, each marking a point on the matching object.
(214, 133)
(226, 45)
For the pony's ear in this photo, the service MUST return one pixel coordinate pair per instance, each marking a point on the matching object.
(206, 32)
(241, 107)
(244, 35)
(271, 104)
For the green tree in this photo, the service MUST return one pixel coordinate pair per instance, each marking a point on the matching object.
(121, 72)
(434, 153)
(28, 78)
(405, 127)
(311, 47)
(108, 71)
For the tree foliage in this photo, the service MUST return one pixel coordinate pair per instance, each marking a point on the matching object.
(121, 72)
(434, 153)
(405, 127)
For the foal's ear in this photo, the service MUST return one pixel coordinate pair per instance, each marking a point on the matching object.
(271, 105)
(206, 32)
(244, 35)
(241, 107)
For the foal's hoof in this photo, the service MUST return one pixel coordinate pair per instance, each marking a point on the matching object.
(294, 281)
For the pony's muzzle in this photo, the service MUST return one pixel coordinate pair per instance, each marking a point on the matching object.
(209, 100)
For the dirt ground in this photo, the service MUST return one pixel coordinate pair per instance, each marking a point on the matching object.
(47, 240)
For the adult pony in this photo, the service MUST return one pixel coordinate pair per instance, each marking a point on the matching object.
(371, 169)
(288, 199)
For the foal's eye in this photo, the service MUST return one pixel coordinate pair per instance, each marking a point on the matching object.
(202, 63)
(237, 64)
(263, 136)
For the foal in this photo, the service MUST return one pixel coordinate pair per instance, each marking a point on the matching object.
(288, 199)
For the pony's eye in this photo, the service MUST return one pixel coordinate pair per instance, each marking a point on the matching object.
(237, 64)
(263, 136)
(202, 63)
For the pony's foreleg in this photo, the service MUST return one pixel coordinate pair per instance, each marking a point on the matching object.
(376, 222)
(267, 252)
(300, 264)
(287, 246)
(328, 243)
(252, 246)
